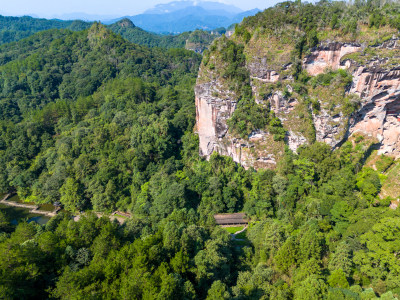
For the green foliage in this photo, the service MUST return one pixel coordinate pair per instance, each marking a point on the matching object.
(77, 144)
(286, 255)
(218, 291)
(384, 163)
(311, 288)
(340, 17)
(381, 243)
(233, 57)
(338, 279)
(243, 33)
(17, 28)
(327, 78)
(70, 195)
(100, 124)
(369, 182)
(376, 20)
(248, 117)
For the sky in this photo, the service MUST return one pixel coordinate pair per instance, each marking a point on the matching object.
(52, 8)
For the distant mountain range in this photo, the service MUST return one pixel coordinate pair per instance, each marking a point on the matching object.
(188, 19)
(84, 17)
(180, 5)
(180, 16)
(174, 17)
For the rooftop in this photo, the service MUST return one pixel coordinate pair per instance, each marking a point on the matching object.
(231, 219)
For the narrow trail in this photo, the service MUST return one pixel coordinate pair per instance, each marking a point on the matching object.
(233, 235)
(113, 216)
(238, 232)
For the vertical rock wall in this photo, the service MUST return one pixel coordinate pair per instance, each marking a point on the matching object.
(376, 85)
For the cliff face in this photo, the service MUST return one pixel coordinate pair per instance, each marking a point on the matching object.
(212, 113)
(328, 55)
(379, 115)
(374, 90)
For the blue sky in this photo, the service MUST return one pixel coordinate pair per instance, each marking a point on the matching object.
(49, 8)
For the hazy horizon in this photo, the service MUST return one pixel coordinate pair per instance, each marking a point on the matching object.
(116, 8)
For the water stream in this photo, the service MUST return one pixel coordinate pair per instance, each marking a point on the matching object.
(16, 214)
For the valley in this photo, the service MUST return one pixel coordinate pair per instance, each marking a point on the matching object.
(259, 164)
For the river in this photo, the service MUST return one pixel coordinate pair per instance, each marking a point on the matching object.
(15, 214)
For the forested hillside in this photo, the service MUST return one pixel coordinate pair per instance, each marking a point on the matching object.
(17, 28)
(58, 86)
(197, 40)
(101, 124)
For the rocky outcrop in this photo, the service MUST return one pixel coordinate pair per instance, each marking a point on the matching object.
(375, 85)
(213, 109)
(328, 55)
(212, 112)
(379, 115)
(328, 128)
(260, 70)
(295, 140)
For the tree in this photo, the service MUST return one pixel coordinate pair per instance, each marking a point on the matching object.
(212, 262)
(286, 255)
(4, 222)
(382, 247)
(338, 279)
(311, 288)
(71, 195)
(218, 291)
(341, 259)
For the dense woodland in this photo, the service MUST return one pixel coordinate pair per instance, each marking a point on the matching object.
(17, 28)
(99, 123)
(199, 39)
(13, 29)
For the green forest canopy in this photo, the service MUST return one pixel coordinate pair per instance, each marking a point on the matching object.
(13, 29)
(98, 123)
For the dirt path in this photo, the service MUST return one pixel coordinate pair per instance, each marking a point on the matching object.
(238, 232)
(112, 217)
(233, 235)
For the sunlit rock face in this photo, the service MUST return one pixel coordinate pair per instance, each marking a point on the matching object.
(379, 115)
(375, 82)
(328, 55)
(212, 114)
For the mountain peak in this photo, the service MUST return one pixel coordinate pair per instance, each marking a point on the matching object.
(179, 5)
(97, 33)
(125, 23)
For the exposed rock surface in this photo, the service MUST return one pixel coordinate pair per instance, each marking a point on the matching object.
(212, 112)
(328, 55)
(260, 70)
(379, 115)
(375, 83)
(327, 127)
(295, 140)
(377, 87)
(211, 115)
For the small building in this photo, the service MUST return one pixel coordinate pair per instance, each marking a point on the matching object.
(231, 219)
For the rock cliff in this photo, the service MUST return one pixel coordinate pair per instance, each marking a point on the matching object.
(368, 105)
